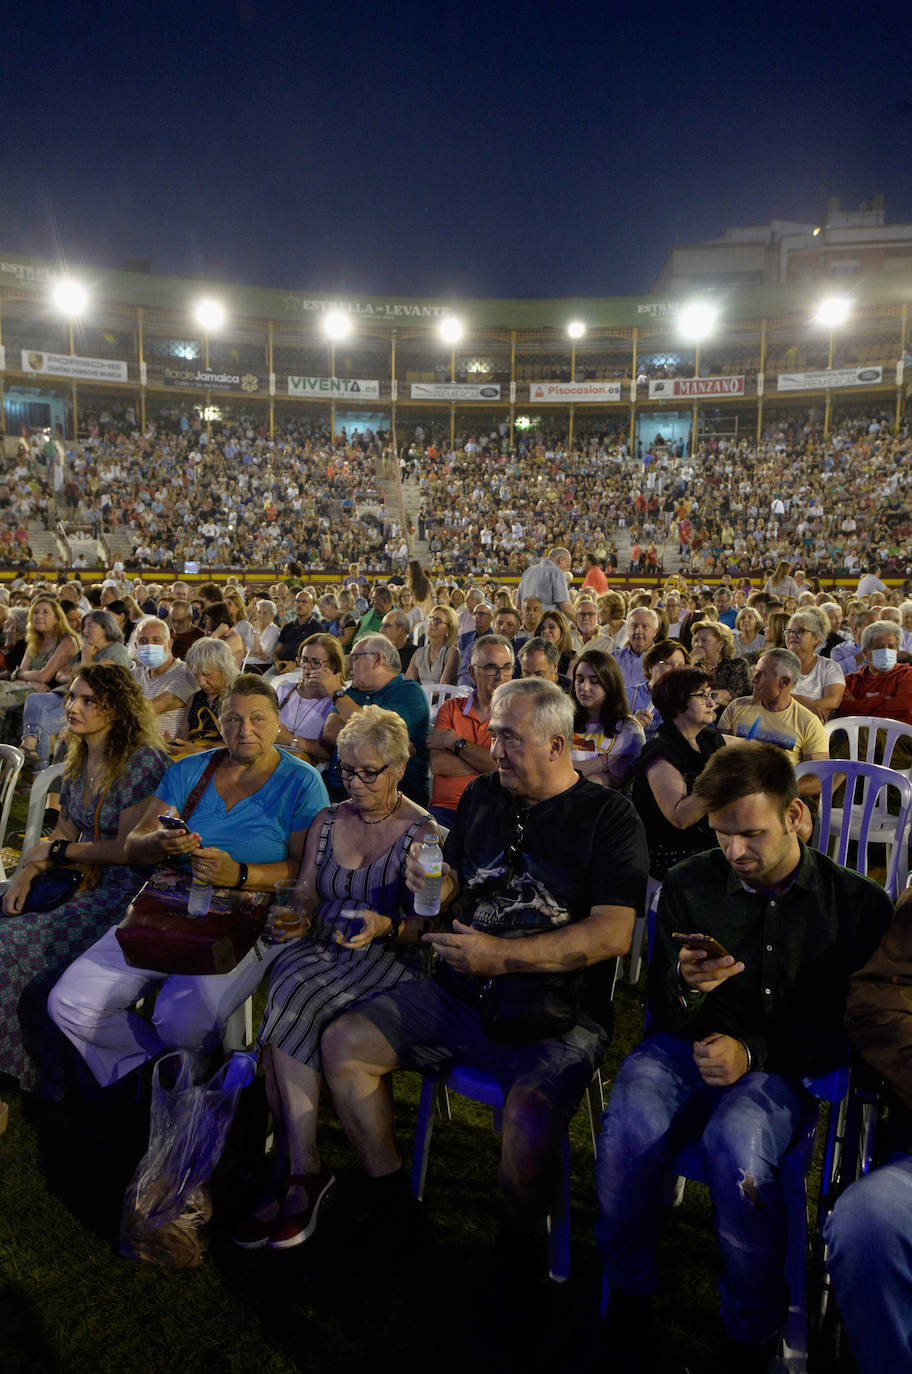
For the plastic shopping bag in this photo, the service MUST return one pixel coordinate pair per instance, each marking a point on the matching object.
(167, 1202)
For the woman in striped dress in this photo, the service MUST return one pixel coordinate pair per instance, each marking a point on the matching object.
(358, 937)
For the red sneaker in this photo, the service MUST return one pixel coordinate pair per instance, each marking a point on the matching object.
(297, 1227)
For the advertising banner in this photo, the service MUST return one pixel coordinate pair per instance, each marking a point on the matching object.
(354, 388)
(828, 377)
(199, 379)
(673, 387)
(455, 391)
(563, 392)
(70, 365)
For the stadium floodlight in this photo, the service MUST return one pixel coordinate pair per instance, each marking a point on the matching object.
(451, 330)
(576, 329)
(70, 297)
(833, 311)
(209, 313)
(336, 324)
(697, 320)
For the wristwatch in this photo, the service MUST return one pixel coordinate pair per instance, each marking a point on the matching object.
(57, 851)
(242, 876)
(459, 745)
(339, 693)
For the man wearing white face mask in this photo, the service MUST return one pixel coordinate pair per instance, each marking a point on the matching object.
(167, 684)
(882, 687)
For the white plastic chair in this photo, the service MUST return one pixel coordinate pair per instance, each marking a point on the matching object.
(439, 692)
(881, 738)
(46, 781)
(11, 761)
(873, 739)
(864, 818)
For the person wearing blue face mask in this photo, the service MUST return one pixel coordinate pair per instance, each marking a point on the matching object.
(882, 687)
(167, 684)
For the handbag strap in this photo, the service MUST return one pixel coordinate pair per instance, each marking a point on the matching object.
(202, 783)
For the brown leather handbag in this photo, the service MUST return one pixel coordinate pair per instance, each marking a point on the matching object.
(159, 934)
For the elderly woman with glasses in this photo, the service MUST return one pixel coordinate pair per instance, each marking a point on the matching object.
(670, 764)
(355, 935)
(821, 686)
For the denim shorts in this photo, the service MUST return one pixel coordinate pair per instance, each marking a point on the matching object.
(432, 1028)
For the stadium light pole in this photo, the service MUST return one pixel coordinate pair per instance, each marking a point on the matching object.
(575, 330)
(209, 315)
(71, 300)
(336, 326)
(451, 331)
(696, 322)
(831, 313)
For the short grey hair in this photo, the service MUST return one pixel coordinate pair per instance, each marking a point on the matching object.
(537, 645)
(379, 644)
(264, 601)
(787, 664)
(552, 709)
(204, 655)
(880, 627)
(811, 618)
(489, 642)
(385, 731)
(399, 618)
(643, 610)
(107, 624)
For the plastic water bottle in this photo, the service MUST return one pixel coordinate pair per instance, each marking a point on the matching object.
(200, 899)
(430, 857)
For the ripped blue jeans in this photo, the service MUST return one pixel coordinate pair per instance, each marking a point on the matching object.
(659, 1103)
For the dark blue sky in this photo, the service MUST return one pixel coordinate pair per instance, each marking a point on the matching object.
(467, 150)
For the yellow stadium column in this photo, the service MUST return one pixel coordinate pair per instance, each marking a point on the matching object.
(512, 382)
(903, 337)
(270, 366)
(761, 373)
(633, 382)
(142, 369)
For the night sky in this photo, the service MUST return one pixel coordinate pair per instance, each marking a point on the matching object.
(440, 150)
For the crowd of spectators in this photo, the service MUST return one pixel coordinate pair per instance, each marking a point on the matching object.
(234, 498)
(735, 508)
(240, 499)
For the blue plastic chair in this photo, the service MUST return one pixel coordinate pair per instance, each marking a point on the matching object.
(831, 1087)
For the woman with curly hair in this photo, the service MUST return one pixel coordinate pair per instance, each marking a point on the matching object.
(114, 764)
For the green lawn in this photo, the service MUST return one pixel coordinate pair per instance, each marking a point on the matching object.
(69, 1304)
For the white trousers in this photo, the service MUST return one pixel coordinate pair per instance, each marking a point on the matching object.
(93, 1004)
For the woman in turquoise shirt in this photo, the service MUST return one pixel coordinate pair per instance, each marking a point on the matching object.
(247, 830)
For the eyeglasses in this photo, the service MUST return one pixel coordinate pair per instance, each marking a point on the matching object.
(314, 662)
(366, 775)
(362, 653)
(702, 696)
(495, 669)
(796, 634)
(436, 620)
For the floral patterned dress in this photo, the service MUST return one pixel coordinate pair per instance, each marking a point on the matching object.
(36, 947)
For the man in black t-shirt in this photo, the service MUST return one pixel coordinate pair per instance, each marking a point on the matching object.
(548, 871)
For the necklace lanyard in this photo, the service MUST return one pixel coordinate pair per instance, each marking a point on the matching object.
(302, 707)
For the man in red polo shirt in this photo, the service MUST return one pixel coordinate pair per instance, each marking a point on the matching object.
(881, 687)
(459, 743)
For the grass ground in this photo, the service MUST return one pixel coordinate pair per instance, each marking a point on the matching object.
(69, 1304)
